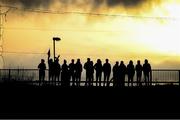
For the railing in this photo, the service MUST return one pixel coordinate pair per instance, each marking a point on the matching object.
(159, 76)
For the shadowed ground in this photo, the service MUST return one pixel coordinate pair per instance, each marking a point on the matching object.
(26, 101)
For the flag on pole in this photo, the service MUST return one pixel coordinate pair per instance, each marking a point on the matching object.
(49, 53)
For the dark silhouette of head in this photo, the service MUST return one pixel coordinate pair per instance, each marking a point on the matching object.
(56, 60)
(51, 60)
(88, 59)
(72, 60)
(138, 62)
(122, 62)
(65, 62)
(78, 60)
(98, 61)
(131, 62)
(107, 61)
(117, 63)
(146, 61)
(42, 60)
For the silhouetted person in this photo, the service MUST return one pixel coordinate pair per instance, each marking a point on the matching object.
(42, 68)
(78, 71)
(72, 72)
(51, 68)
(57, 70)
(115, 75)
(130, 72)
(147, 72)
(122, 73)
(87, 67)
(65, 75)
(139, 69)
(91, 73)
(107, 72)
(98, 68)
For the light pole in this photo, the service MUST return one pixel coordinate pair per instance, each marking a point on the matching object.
(54, 46)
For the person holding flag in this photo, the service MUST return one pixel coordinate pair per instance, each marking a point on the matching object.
(51, 67)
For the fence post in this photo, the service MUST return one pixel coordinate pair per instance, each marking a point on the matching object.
(179, 77)
(9, 75)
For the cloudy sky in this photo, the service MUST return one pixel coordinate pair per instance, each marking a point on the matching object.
(115, 29)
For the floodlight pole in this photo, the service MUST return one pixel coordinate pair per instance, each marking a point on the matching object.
(54, 45)
(54, 49)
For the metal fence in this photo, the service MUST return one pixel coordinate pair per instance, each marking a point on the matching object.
(159, 76)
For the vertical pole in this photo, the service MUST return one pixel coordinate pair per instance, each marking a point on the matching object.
(9, 75)
(54, 48)
(179, 77)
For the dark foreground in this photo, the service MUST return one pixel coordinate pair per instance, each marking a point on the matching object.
(53, 102)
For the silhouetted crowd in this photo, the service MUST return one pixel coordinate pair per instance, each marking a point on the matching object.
(71, 74)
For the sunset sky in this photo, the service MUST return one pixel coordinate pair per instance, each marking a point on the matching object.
(139, 29)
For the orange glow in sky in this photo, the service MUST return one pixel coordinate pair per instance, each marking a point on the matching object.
(116, 38)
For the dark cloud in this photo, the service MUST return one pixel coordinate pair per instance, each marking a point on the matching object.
(95, 3)
(98, 3)
(29, 3)
(125, 3)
